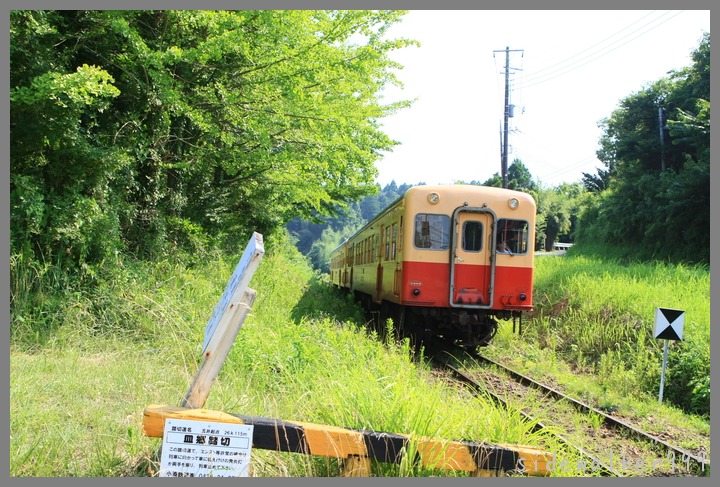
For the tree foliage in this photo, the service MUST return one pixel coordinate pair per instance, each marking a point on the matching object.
(557, 210)
(143, 130)
(656, 189)
(519, 178)
(318, 239)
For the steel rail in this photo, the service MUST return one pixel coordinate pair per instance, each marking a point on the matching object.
(537, 425)
(607, 419)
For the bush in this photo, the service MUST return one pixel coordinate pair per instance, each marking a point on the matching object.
(687, 377)
(598, 312)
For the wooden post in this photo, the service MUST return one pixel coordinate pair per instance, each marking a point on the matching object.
(216, 353)
(355, 466)
(239, 280)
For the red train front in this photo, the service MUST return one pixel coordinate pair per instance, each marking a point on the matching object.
(444, 260)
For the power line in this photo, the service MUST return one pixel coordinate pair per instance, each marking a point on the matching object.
(595, 54)
(581, 53)
(572, 63)
(536, 79)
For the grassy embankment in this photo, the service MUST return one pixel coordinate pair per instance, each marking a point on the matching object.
(84, 365)
(592, 334)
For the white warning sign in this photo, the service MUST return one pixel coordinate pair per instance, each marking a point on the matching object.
(669, 323)
(205, 449)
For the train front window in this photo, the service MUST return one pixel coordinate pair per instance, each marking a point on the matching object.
(432, 231)
(514, 233)
(472, 236)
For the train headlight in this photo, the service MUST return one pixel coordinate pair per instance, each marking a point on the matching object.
(416, 292)
(513, 203)
(433, 198)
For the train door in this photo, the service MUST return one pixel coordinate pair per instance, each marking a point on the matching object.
(471, 262)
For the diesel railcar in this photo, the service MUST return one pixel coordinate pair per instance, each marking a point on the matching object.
(446, 260)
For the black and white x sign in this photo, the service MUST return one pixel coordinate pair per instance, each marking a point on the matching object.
(669, 323)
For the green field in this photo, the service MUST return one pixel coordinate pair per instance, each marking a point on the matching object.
(85, 363)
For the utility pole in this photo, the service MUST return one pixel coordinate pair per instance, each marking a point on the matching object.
(662, 119)
(504, 150)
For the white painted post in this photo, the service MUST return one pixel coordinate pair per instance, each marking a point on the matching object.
(216, 354)
(668, 326)
(662, 374)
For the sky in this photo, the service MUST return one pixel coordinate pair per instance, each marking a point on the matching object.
(568, 71)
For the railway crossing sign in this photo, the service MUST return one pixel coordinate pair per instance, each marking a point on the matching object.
(225, 322)
(235, 288)
(669, 323)
(668, 326)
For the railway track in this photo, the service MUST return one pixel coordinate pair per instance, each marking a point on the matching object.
(607, 445)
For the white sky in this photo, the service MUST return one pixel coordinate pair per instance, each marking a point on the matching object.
(574, 68)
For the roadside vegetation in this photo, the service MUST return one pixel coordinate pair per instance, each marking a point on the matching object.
(593, 332)
(86, 363)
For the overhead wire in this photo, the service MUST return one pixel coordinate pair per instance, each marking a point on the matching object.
(593, 54)
(584, 57)
(591, 47)
(580, 59)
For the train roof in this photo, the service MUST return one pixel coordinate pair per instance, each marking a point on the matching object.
(440, 188)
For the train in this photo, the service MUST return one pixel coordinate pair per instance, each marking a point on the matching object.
(444, 261)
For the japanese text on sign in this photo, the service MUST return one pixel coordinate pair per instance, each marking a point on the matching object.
(205, 449)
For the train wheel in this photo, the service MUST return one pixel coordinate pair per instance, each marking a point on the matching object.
(480, 334)
(487, 331)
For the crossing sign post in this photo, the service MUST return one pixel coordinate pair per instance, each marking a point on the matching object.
(668, 326)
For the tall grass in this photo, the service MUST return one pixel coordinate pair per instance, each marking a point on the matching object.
(599, 314)
(86, 360)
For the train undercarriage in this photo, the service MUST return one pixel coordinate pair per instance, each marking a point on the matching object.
(469, 328)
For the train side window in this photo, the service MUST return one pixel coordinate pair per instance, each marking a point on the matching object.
(432, 231)
(400, 239)
(394, 241)
(515, 234)
(376, 248)
(472, 236)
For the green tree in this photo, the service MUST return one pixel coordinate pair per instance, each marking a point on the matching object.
(495, 181)
(161, 127)
(61, 169)
(557, 210)
(657, 190)
(519, 178)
